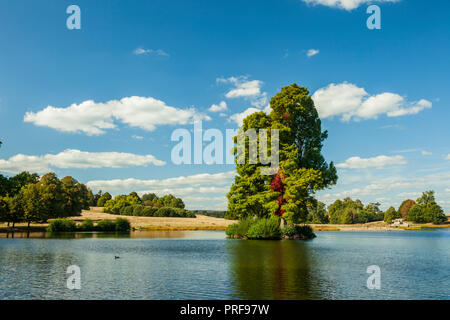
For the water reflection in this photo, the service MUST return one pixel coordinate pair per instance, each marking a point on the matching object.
(103, 235)
(272, 270)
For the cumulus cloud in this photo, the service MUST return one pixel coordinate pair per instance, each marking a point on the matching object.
(203, 179)
(351, 102)
(247, 89)
(158, 52)
(426, 153)
(71, 158)
(448, 157)
(222, 106)
(344, 4)
(312, 52)
(93, 118)
(137, 137)
(375, 162)
(239, 117)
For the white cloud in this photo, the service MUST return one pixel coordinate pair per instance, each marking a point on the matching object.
(158, 52)
(409, 195)
(344, 4)
(222, 106)
(312, 52)
(137, 137)
(375, 162)
(423, 152)
(247, 89)
(448, 157)
(239, 117)
(94, 118)
(447, 190)
(132, 184)
(351, 102)
(75, 159)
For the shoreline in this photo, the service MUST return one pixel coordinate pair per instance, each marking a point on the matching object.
(207, 223)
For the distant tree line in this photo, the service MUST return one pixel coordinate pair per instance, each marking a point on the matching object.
(347, 211)
(149, 205)
(211, 213)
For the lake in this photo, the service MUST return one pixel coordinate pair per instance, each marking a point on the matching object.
(206, 265)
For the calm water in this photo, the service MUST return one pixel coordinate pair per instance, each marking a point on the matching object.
(205, 265)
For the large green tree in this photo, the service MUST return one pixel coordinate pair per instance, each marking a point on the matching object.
(426, 209)
(302, 167)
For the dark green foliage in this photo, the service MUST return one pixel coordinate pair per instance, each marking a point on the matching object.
(106, 225)
(149, 197)
(305, 232)
(348, 211)
(127, 211)
(231, 230)
(173, 212)
(86, 225)
(427, 210)
(146, 211)
(318, 213)
(288, 230)
(62, 225)
(391, 214)
(265, 228)
(149, 211)
(137, 210)
(103, 199)
(240, 228)
(122, 225)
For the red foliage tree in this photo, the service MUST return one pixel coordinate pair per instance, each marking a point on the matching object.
(278, 186)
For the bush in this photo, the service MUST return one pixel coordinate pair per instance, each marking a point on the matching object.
(148, 211)
(265, 228)
(127, 211)
(106, 225)
(239, 229)
(62, 225)
(288, 231)
(86, 225)
(305, 232)
(231, 230)
(137, 209)
(122, 225)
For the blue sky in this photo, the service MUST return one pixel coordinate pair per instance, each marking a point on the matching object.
(138, 70)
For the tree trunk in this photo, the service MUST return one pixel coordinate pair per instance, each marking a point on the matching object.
(14, 223)
(283, 223)
(29, 225)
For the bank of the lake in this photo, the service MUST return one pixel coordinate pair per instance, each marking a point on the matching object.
(206, 223)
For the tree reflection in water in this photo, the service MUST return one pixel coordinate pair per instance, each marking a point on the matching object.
(278, 270)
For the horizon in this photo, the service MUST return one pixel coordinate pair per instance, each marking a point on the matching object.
(101, 103)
